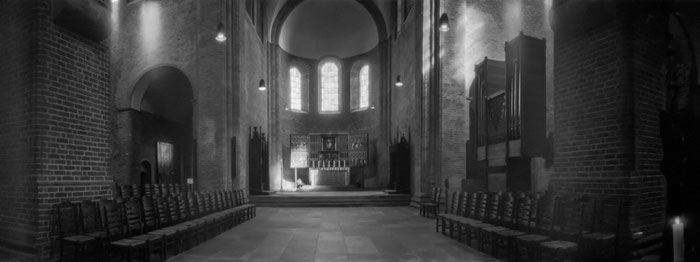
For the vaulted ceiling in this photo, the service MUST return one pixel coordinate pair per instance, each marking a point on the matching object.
(316, 28)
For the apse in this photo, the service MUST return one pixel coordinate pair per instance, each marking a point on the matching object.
(318, 28)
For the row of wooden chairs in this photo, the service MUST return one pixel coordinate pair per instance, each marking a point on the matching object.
(142, 226)
(136, 190)
(431, 208)
(537, 225)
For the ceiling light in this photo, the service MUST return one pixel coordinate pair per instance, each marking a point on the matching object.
(444, 23)
(220, 35)
(398, 81)
(262, 86)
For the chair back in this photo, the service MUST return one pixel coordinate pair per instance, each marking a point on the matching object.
(506, 215)
(132, 217)
(543, 214)
(192, 205)
(164, 189)
(208, 202)
(568, 217)
(473, 204)
(68, 214)
(454, 203)
(201, 203)
(137, 190)
(127, 191)
(148, 190)
(436, 195)
(162, 212)
(523, 214)
(149, 213)
(113, 220)
(220, 203)
(238, 197)
(91, 216)
(493, 200)
(463, 203)
(183, 204)
(607, 215)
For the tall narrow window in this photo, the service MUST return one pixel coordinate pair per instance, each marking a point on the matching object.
(294, 89)
(330, 85)
(364, 87)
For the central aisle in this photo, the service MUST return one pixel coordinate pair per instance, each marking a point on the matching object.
(334, 234)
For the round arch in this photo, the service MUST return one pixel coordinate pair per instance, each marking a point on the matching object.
(154, 74)
(290, 5)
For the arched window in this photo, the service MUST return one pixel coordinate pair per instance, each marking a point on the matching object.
(364, 86)
(359, 86)
(294, 89)
(329, 92)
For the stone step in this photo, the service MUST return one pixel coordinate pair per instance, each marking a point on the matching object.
(330, 199)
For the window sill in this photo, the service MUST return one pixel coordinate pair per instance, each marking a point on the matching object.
(297, 111)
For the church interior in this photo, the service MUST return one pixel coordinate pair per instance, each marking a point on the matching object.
(349, 130)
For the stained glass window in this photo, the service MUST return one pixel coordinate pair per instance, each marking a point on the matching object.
(294, 89)
(364, 87)
(330, 95)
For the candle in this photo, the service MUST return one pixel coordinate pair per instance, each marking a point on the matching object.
(678, 244)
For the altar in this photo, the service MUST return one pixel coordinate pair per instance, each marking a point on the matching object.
(328, 157)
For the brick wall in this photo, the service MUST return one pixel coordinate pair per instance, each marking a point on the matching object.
(609, 91)
(151, 35)
(405, 102)
(249, 104)
(71, 122)
(18, 198)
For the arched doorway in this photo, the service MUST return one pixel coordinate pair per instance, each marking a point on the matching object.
(161, 126)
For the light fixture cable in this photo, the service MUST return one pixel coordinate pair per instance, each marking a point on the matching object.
(220, 30)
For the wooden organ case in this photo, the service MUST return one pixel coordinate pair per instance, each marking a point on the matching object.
(400, 158)
(509, 111)
(258, 171)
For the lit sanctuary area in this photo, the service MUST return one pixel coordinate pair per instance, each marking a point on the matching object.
(350, 130)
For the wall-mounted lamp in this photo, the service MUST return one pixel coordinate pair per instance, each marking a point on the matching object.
(286, 108)
(262, 86)
(372, 106)
(398, 81)
(220, 34)
(444, 23)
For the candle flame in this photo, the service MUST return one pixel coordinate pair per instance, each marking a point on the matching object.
(677, 220)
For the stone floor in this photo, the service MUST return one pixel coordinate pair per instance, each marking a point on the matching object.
(334, 234)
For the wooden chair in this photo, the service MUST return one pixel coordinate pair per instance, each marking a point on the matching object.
(116, 233)
(463, 214)
(449, 215)
(509, 218)
(538, 228)
(603, 241)
(569, 214)
(69, 230)
(472, 216)
(135, 227)
(432, 207)
(171, 235)
(494, 210)
(92, 224)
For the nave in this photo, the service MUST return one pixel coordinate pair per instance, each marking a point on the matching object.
(334, 234)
